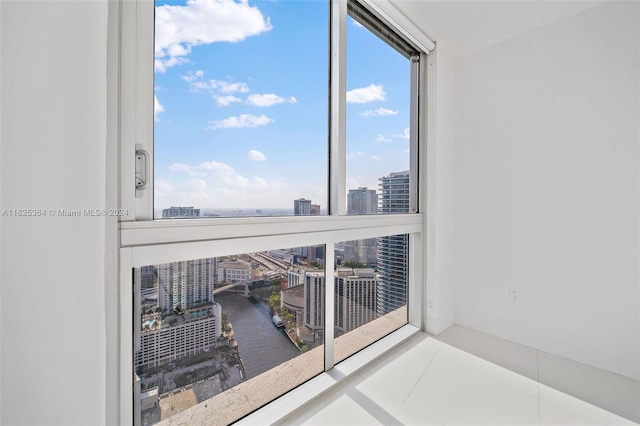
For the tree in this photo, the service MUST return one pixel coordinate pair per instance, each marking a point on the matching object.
(274, 299)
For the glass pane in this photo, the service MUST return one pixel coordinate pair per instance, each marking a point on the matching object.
(370, 291)
(245, 322)
(240, 107)
(378, 115)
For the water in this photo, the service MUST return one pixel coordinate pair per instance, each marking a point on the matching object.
(261, 344)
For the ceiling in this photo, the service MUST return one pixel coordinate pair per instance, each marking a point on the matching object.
(462, 27)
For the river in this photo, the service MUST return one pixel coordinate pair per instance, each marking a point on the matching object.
(261, 344)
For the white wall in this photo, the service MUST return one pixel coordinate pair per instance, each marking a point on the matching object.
(546, 188)
(53, 144)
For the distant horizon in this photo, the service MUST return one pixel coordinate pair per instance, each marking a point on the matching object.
(158, 211)
(323, 209)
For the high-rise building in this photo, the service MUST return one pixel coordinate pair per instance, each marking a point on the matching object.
(314, 286)
(393, 249)
(300, 251)
(148, 276)
(355, 295)
(177, 336)
(233, 271)
(362, 201)
(364, 251)
(168, 335)
(394, 193)
(185, 284)
(302, 207)
(355, 298)
(315, 254)
(180, 212)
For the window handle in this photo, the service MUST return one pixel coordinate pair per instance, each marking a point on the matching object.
(142, 169)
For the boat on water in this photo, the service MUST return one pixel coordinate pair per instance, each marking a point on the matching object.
(277, 321)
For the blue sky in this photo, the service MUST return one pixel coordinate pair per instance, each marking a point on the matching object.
(241, 104)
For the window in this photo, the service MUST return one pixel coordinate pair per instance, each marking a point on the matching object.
(380, 75)
(331, 274)
(205, 326)
(371, 278)
(240, 105)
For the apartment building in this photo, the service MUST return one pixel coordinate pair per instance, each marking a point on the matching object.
(233, 271)
(193, 333)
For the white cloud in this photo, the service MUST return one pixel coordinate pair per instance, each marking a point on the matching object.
(243, 120)
(226, 87)
(375, 157)
(226, 100)
(162, 65)
(366, 94)
(214, 184)
(378, 112)
(193, 76)
(157, 108)
(404, 135)
(268, 100)
(256, 155)
(179, 28)
(219, 86)
(381, 138)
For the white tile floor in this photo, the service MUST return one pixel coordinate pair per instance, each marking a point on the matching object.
(432, 381)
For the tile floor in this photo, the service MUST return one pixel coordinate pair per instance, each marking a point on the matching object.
(466, 377)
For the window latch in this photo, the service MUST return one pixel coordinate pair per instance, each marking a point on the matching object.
(142, 170)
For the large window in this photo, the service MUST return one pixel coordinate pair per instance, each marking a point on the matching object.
(371, 287)
(205, 326)
(378, 119)
(241, 108)
(292, 131)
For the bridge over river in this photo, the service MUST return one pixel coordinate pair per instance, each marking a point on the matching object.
(245, 284)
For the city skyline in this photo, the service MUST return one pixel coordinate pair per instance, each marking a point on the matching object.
(230, 134)
(197, 333)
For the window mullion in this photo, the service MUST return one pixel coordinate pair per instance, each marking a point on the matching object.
(337, 157)
(414, 135)
(127, 381)
(338, 107)
(329, 306)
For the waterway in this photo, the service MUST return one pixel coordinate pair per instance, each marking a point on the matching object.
(261, 344)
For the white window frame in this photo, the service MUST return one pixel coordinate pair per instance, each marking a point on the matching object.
(144, 241)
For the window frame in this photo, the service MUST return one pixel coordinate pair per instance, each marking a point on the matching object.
(144, 241)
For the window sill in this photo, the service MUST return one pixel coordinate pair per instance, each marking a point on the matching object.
(165, 231)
